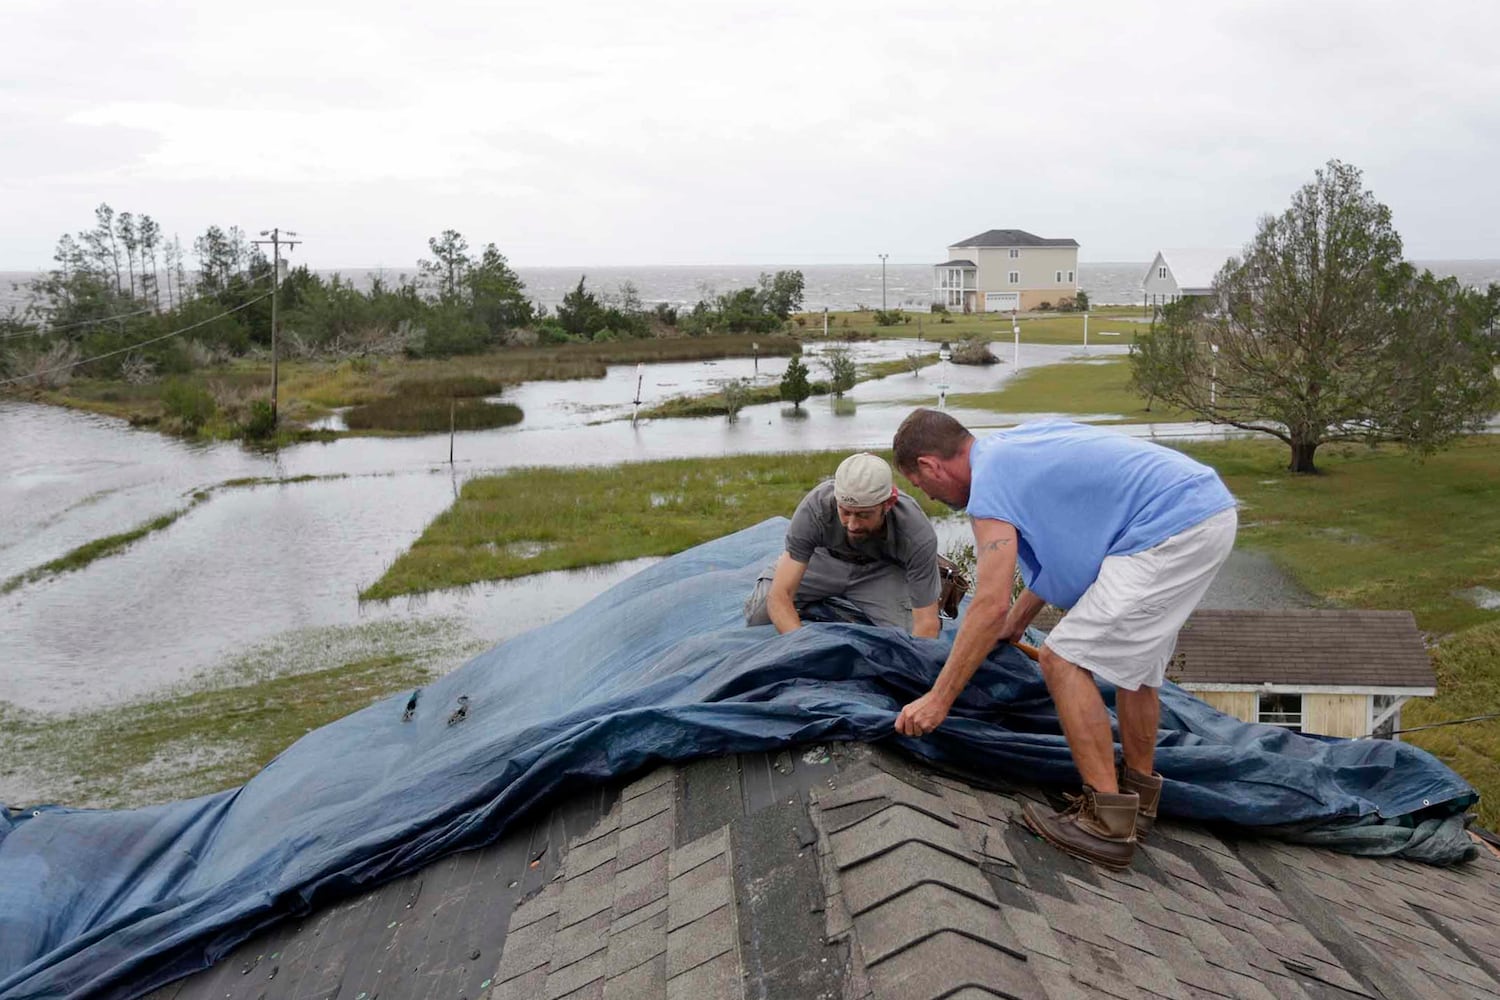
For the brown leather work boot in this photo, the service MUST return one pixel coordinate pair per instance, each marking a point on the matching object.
(1096, 826)
(1149, 789)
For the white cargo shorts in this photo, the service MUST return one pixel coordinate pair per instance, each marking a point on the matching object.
(1124, 627)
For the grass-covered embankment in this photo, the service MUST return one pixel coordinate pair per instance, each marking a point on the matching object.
(1096, 386)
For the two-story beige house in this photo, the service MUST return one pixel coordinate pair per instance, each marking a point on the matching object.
(1006, 270)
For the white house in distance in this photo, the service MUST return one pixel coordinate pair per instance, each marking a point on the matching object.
(1006, 270)
(1178, 274)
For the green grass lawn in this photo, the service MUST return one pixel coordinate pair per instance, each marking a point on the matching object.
(1100, 386)
(1036, 328)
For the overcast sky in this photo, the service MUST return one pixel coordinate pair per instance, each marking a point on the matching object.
(811, 131)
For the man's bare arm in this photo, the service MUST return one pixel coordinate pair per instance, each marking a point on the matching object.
(781, 600)
(925, 623)
(1021, 614)
(995, 545)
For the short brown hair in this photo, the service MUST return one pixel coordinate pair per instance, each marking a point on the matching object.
(928, 432)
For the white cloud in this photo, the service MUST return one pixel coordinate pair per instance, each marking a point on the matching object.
(593, 132)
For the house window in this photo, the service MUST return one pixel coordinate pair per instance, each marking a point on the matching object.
(955, 297)
(1161, 272)
(1281, 710)
(1014, 277)
(1015, 255)
(1070, 277)
(1057, 280)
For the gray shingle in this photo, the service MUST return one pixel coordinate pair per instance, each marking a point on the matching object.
(527, 948)
(718, 979)
(707, 937)
(528, 986)
(683, 907)
(901, 870)
(586, 895)
(637, 944)
(895, 825)
(705, 848)
(581, 940)
(641, 840)
(946, 962)
(640, 884)
(646, 805)
(884, 787)
(647, 981)
(576, 977)
(648, 782)
(901, 922)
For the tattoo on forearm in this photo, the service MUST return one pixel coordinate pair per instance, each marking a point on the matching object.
(996, 545)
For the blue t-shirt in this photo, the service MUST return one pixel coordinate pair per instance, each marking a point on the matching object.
(1077, 494)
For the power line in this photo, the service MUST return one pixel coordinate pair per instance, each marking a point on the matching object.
(132, 347)
(1450, 722)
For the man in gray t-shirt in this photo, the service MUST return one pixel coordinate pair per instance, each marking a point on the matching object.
(854, 539)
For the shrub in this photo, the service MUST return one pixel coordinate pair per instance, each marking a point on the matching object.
(841, 370)
(888, 317)
(973, 351)
(666, 313)
(794, 386)
(261, 423)
(1081, 300)
(190, 404)
(735, 390)
(1044, 307)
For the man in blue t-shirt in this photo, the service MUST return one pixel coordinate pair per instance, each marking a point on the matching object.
(1125, 534)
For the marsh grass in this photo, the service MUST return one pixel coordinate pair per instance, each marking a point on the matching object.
(586, 517)
(427, 416)
(1092, 387)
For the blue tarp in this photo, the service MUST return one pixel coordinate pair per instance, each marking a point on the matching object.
(660, 667)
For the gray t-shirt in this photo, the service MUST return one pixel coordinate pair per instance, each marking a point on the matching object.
(907, 542)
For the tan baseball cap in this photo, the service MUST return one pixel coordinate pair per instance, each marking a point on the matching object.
(863, 480)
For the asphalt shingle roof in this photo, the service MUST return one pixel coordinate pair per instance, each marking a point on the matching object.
(854, 873)
(1012, 238)
(1303, 647)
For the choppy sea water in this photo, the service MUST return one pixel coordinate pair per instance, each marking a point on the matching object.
(831, 286)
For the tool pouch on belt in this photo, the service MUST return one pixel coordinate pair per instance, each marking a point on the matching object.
(955, 586)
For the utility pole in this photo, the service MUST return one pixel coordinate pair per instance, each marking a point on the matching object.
(277, 239)
(882, 257)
